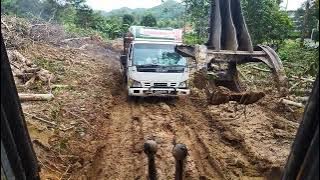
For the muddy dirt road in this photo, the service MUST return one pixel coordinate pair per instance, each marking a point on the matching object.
(224, 142)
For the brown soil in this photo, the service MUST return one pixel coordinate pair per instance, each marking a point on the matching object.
(106, 131)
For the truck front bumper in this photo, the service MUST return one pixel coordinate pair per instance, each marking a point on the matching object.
(144, 92)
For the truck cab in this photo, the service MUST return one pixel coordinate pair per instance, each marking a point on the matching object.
(151, 65)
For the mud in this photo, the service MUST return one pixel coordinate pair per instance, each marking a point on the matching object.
(229, 141)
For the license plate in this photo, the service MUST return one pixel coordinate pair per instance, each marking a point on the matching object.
(161, 92)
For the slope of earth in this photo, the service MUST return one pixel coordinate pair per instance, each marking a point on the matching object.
(99, 134)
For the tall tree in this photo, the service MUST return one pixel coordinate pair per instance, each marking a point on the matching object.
(265, 20)
(149, 20)
(128, 19)
(198, 14)
(307, 21)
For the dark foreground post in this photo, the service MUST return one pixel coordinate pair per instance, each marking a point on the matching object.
(180, 153)
(150, 148)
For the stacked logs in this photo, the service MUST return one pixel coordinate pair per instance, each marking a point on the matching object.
(25, 72)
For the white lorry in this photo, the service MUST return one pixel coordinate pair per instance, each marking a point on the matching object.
(151, 65)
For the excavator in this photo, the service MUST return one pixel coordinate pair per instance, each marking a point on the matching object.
(229, 43)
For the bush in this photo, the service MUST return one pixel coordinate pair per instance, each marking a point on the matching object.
(299, 61)
(75, 31)
(192, 38)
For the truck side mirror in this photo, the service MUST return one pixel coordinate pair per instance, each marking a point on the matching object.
(123, 60)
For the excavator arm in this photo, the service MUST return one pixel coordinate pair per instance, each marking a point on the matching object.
(229, 42)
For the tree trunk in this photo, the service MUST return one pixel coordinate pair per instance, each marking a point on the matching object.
(304, 27)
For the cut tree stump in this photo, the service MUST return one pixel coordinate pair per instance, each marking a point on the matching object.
(35, 97)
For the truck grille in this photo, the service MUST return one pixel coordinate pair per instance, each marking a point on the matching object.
(173, 84)
(160, 85)
(147, 84)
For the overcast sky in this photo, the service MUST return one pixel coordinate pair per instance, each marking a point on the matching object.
(108, 5)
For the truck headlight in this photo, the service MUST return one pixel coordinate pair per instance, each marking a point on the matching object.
(183, 84)
(134, 84)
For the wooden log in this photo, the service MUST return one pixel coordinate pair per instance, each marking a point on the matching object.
(35, 97)
(291, 103)
(303, 99)
(299, 99)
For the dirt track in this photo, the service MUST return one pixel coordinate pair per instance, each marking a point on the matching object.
(223, 141)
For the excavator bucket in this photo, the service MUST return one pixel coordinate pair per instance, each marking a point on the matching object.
(229, 44)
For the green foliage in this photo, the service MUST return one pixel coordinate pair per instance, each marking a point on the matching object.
(8, 6)
(56, 67)
(299, 61)
(173, 23)
(128, 19)
(266, 22)
(28, 8)
(192, 38)
(311, 19)
(74, 15)
(85, 18)
(149, 20)
(198, 15)
(73, 30)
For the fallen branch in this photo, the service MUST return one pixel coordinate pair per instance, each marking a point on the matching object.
(243, 76)
(73, 39)
(59, 86)
(294, 86)
(67, 129)
(31, 70)
(5, 25)
(291, 103)
(260, 69)
(303, 99)
(305, 79)
(36, 97)
(30, 81)
(65, 173)
(41, 119)
(303, 91)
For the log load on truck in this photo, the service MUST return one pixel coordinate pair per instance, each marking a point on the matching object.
(151, 65)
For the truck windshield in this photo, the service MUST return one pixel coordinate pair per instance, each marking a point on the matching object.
(157, 55)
